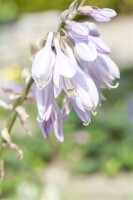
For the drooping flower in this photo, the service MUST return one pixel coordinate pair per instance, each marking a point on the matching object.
(103, 71)
(64, 66)
(86, 43)
(74, 60)
(86, 50)
(43, 64)
(79, 86)
(93, 29)
(100, 15)
(68, 104)
(79, 30)
(49, 114)
(44, 100)
(85, 116)
(55, 120)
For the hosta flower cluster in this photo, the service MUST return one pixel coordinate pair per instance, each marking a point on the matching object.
(75, 61)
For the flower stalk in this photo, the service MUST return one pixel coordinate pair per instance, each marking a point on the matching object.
(74, 60)
(86, 68)
(82, 3)
(62, 24)
(21, 99)
(18, 102)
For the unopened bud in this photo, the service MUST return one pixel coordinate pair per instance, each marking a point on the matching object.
(85, 10)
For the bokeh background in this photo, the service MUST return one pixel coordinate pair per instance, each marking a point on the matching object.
(94, 162)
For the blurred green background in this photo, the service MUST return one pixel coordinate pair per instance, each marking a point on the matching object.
(105, 146)
(11, 9)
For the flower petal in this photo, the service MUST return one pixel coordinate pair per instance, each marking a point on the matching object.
(64, 65)
(86, 51)
(56, 118)
(100, 45)
(44, 100)
(93, 29)
(87, 96)
(84, 116)
(103, 70)
(78, 29)
(103, 15)
(45, 127)
(43, 62)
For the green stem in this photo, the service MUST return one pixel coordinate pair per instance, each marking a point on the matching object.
(82, 3)
(21, 99)
(18, 102)
(13, 116)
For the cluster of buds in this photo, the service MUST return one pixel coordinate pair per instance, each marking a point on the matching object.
(76, 61)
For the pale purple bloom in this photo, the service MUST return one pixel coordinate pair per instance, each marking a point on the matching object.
(74, 60)
(103, 71)
(44, 100)
(64, 66)
(79, 30)
(87, 44)
(100, 15)
(85, 115)
(49, 114)
(103, 15)
(68, 104)
(43, 64)
(93, 29)
(45, 127)
(55, 121)
(85, 49)
(100, 46)
(79, 88)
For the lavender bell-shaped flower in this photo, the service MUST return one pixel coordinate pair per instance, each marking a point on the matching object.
(103, 71)
(81, 87)
(100, 46)
(49, 114)
(93, 29)
(85, 115)
(78, 29)
(44, 100)
(100, 15)
(85, 92)
(83, 47)
(68, 104)
(75, 60)
(43, 64)
(86, 50)
(87, 46)
(64, 67)
(55, 120)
